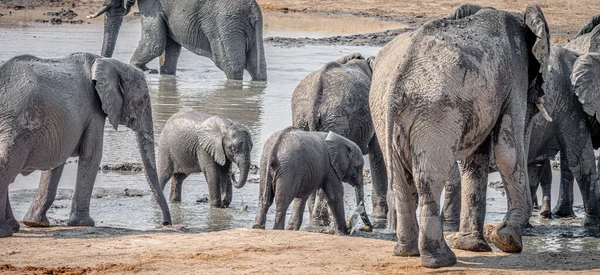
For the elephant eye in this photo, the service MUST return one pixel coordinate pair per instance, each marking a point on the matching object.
(233, 149)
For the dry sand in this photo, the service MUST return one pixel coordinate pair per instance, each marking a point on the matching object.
(244, 251)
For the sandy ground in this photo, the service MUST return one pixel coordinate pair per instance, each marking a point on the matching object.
(248, 251)
(110, 250)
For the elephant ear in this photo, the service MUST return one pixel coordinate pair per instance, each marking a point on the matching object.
(340, 154)
(589, 26)
(585, 79)
(463, 11)
(539, 51)
(107, 82)
(210, 139)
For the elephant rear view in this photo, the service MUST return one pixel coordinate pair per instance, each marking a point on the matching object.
(296, 163)
(229, 32)
(53, 109)
(453, 90)
(193, 142)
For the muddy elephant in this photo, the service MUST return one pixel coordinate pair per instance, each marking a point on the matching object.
(336, 98)
(588, 38)
(53, 109)
(296, 163)
(455, 90)
(229, 32)
(193, 142)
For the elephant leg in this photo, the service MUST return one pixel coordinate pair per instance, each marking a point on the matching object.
(152, 43)
(452, 203)
(379, 177)
(89, 160)
(5, 229)
(165, 167)
(510, 157)
(214, 185)
(404, 196)
(586, 175)
(318, 208)
(265, 200)
(545, 174)
(473, 193)
(176, 185)
(282, 203)
(297, 214)
(334, 192)
(533, 171)
(226, 190)
(431, 170)
(564, 205)
(168, 59)
(46, 193)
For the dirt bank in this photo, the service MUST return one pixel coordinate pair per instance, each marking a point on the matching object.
(243, 251)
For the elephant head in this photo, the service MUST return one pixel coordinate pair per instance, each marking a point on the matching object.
(226, 140)
(125, 99)
(347, 162)
(115, 11)
(465, 10)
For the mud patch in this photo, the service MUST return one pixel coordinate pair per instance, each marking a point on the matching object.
(71, 270)
(370, 39)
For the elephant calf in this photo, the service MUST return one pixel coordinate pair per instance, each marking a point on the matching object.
(296, 163)
(53, 109)
(336, 98)
(193, 142)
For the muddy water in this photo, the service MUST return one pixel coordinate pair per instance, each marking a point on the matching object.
(123, 200)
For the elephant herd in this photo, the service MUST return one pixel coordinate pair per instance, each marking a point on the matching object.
(437, 107)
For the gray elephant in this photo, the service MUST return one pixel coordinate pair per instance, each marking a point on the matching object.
(453, 90)
(53, 109)
(296, 163)
(229, 32)
(336, 98)
(193, 142)
(588, 38)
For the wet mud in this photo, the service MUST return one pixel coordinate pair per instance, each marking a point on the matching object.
(369, 39)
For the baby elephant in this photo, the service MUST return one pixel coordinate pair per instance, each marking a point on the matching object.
(193, 142)
(295, 163)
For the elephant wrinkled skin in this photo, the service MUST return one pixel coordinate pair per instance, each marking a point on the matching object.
(454, 90)
(296, 163)
(53, 109)
(229, 32)
(193, 142)
(336, 98)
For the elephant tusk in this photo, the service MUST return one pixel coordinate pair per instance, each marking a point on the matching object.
(543, 111)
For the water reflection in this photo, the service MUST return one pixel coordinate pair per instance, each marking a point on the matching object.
(218, 218)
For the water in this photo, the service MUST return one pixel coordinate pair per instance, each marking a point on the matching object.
(263, 108)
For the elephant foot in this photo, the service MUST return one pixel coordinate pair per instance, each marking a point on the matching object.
(441, 258)
(81, 220)
(36, 221)
(507, 238)
(406, 251)
(14, 224)
(379, 212)
(471, 242)
(258, 226)
(563, 212)
(591, 221)
(546, 213)
(5, 230)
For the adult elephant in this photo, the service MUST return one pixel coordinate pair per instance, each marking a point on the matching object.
(53, 109)
(588, 38)
(229, 32)
(453, 90)
(336, 98)
(193, 142)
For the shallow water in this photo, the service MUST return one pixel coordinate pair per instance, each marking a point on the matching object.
(263, 108)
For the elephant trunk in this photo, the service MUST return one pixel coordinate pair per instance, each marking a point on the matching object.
(112, 25)
(243, 163)
(360, 202)
(145, 140)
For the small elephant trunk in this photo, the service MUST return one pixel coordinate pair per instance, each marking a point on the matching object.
(112, 25)
(360, 202)
(146, 146)
(243, 164)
